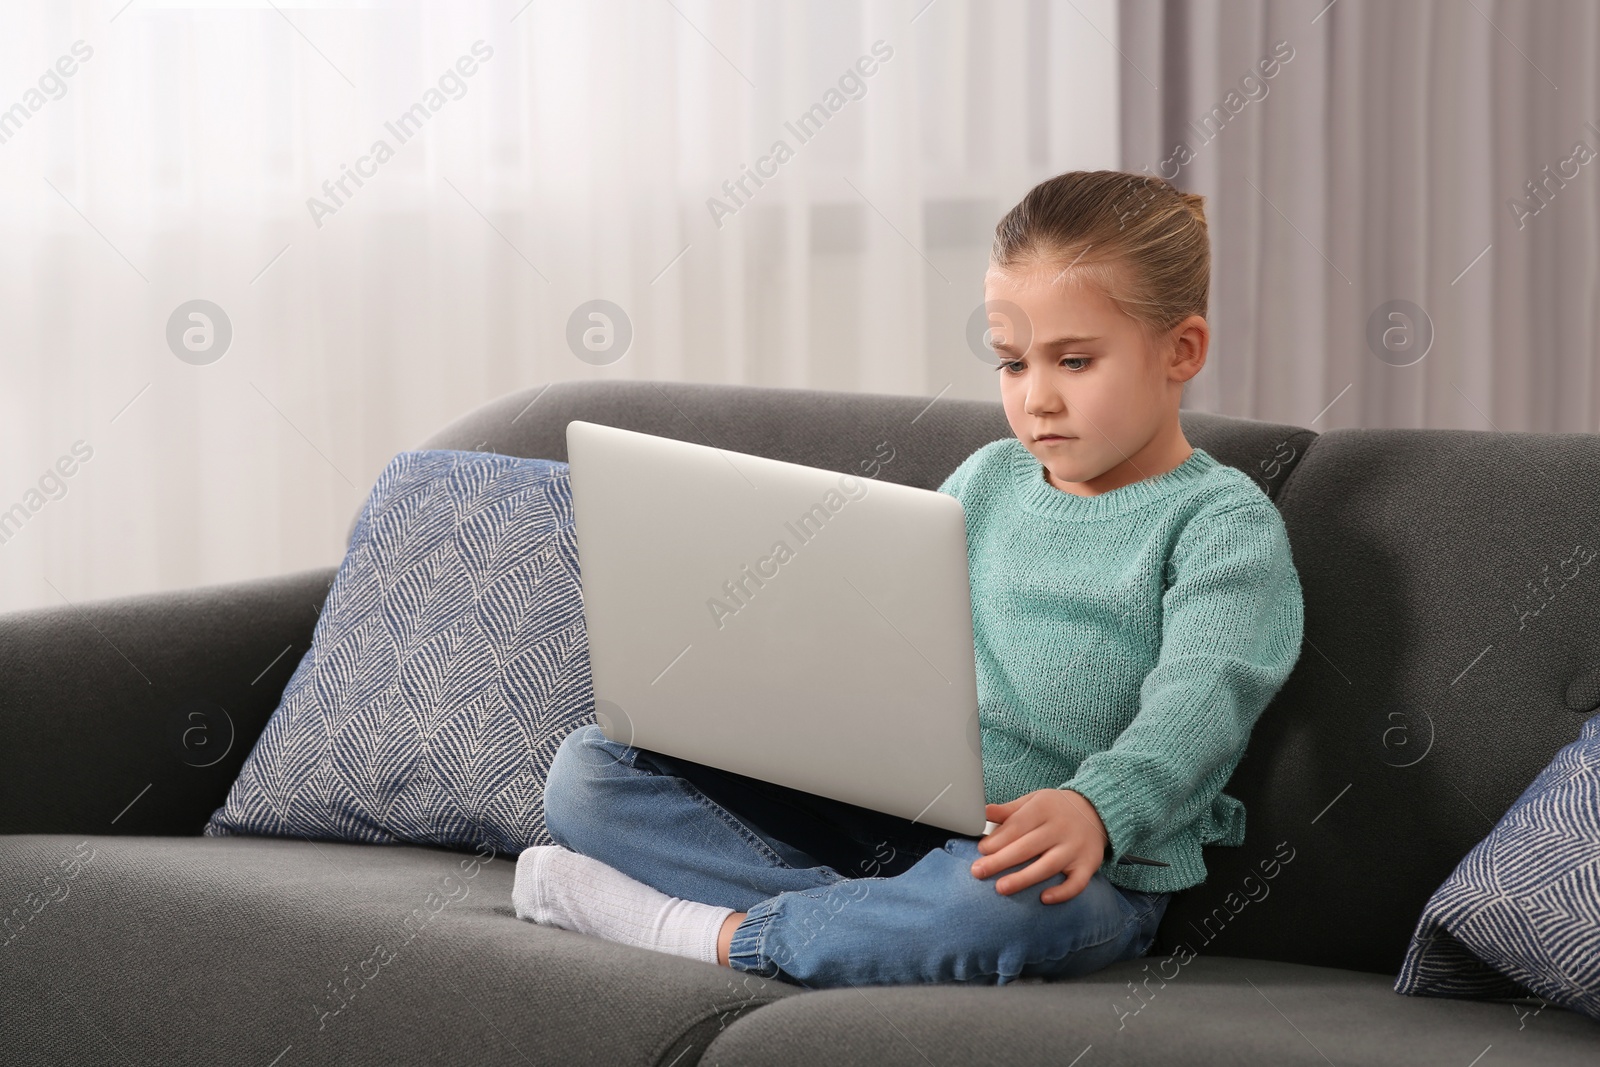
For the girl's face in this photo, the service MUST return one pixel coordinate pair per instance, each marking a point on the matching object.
(1076, 365)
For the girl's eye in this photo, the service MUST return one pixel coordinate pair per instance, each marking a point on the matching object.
(1085, 360)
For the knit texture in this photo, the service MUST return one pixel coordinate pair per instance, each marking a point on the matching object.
(1125, 645)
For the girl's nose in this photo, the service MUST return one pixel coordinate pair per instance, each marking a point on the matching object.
(1044, 401)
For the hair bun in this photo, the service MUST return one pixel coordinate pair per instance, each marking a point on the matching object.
(1196, 204)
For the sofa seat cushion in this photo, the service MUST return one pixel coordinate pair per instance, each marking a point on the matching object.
(244, 949)
(1213, 1010)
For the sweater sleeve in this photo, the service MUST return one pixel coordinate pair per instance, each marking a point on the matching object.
(1232, 621)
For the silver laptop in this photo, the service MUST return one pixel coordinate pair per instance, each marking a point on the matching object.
(796, 625)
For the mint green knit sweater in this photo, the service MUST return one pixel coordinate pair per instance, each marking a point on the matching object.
(1126, 643)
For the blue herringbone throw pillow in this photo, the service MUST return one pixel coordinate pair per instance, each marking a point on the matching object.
(1521, 911)
(448, 663)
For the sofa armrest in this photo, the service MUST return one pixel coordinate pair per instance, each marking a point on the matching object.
(133, 715)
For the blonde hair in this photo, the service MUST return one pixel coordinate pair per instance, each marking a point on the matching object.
(1137, 238)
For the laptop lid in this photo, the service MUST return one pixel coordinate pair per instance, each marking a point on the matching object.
(796, 625)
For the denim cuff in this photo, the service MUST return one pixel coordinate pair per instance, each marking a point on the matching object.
(747, 950)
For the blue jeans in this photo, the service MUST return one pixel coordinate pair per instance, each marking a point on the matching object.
(836, 894)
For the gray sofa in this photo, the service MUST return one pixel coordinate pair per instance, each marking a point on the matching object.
(1432, 686)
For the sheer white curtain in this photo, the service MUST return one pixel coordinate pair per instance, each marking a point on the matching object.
(534, 157)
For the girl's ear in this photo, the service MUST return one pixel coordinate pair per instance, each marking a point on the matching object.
(1188, 343)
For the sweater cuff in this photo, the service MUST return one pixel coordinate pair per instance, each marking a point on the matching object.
(1117, 808)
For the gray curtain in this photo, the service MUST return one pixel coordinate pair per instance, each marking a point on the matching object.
(1406, 164)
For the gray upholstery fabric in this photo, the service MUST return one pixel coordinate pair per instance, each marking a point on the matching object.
(832, 430)
(1423, 702)
(134, 715)
(1213, 1011)
(820, 428)
(222, 950)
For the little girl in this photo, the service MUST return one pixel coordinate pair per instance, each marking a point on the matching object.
(1135, 607)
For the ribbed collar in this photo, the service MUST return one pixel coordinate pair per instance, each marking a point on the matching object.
(1039, 496)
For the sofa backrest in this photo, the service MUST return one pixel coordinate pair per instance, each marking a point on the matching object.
(928, 437)
(1452, 646)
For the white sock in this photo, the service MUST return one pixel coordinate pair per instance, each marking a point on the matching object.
(558, 887)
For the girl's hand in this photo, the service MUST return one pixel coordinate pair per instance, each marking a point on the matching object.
(1060, 827)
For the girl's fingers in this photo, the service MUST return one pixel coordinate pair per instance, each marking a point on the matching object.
(1013, 828)
(1076, 882)
(1025, 847)
(1048, 864)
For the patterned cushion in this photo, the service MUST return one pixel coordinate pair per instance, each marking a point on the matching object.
(1521, 912)
(448, 663)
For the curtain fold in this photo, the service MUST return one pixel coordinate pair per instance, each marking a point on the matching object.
(1395, 166)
